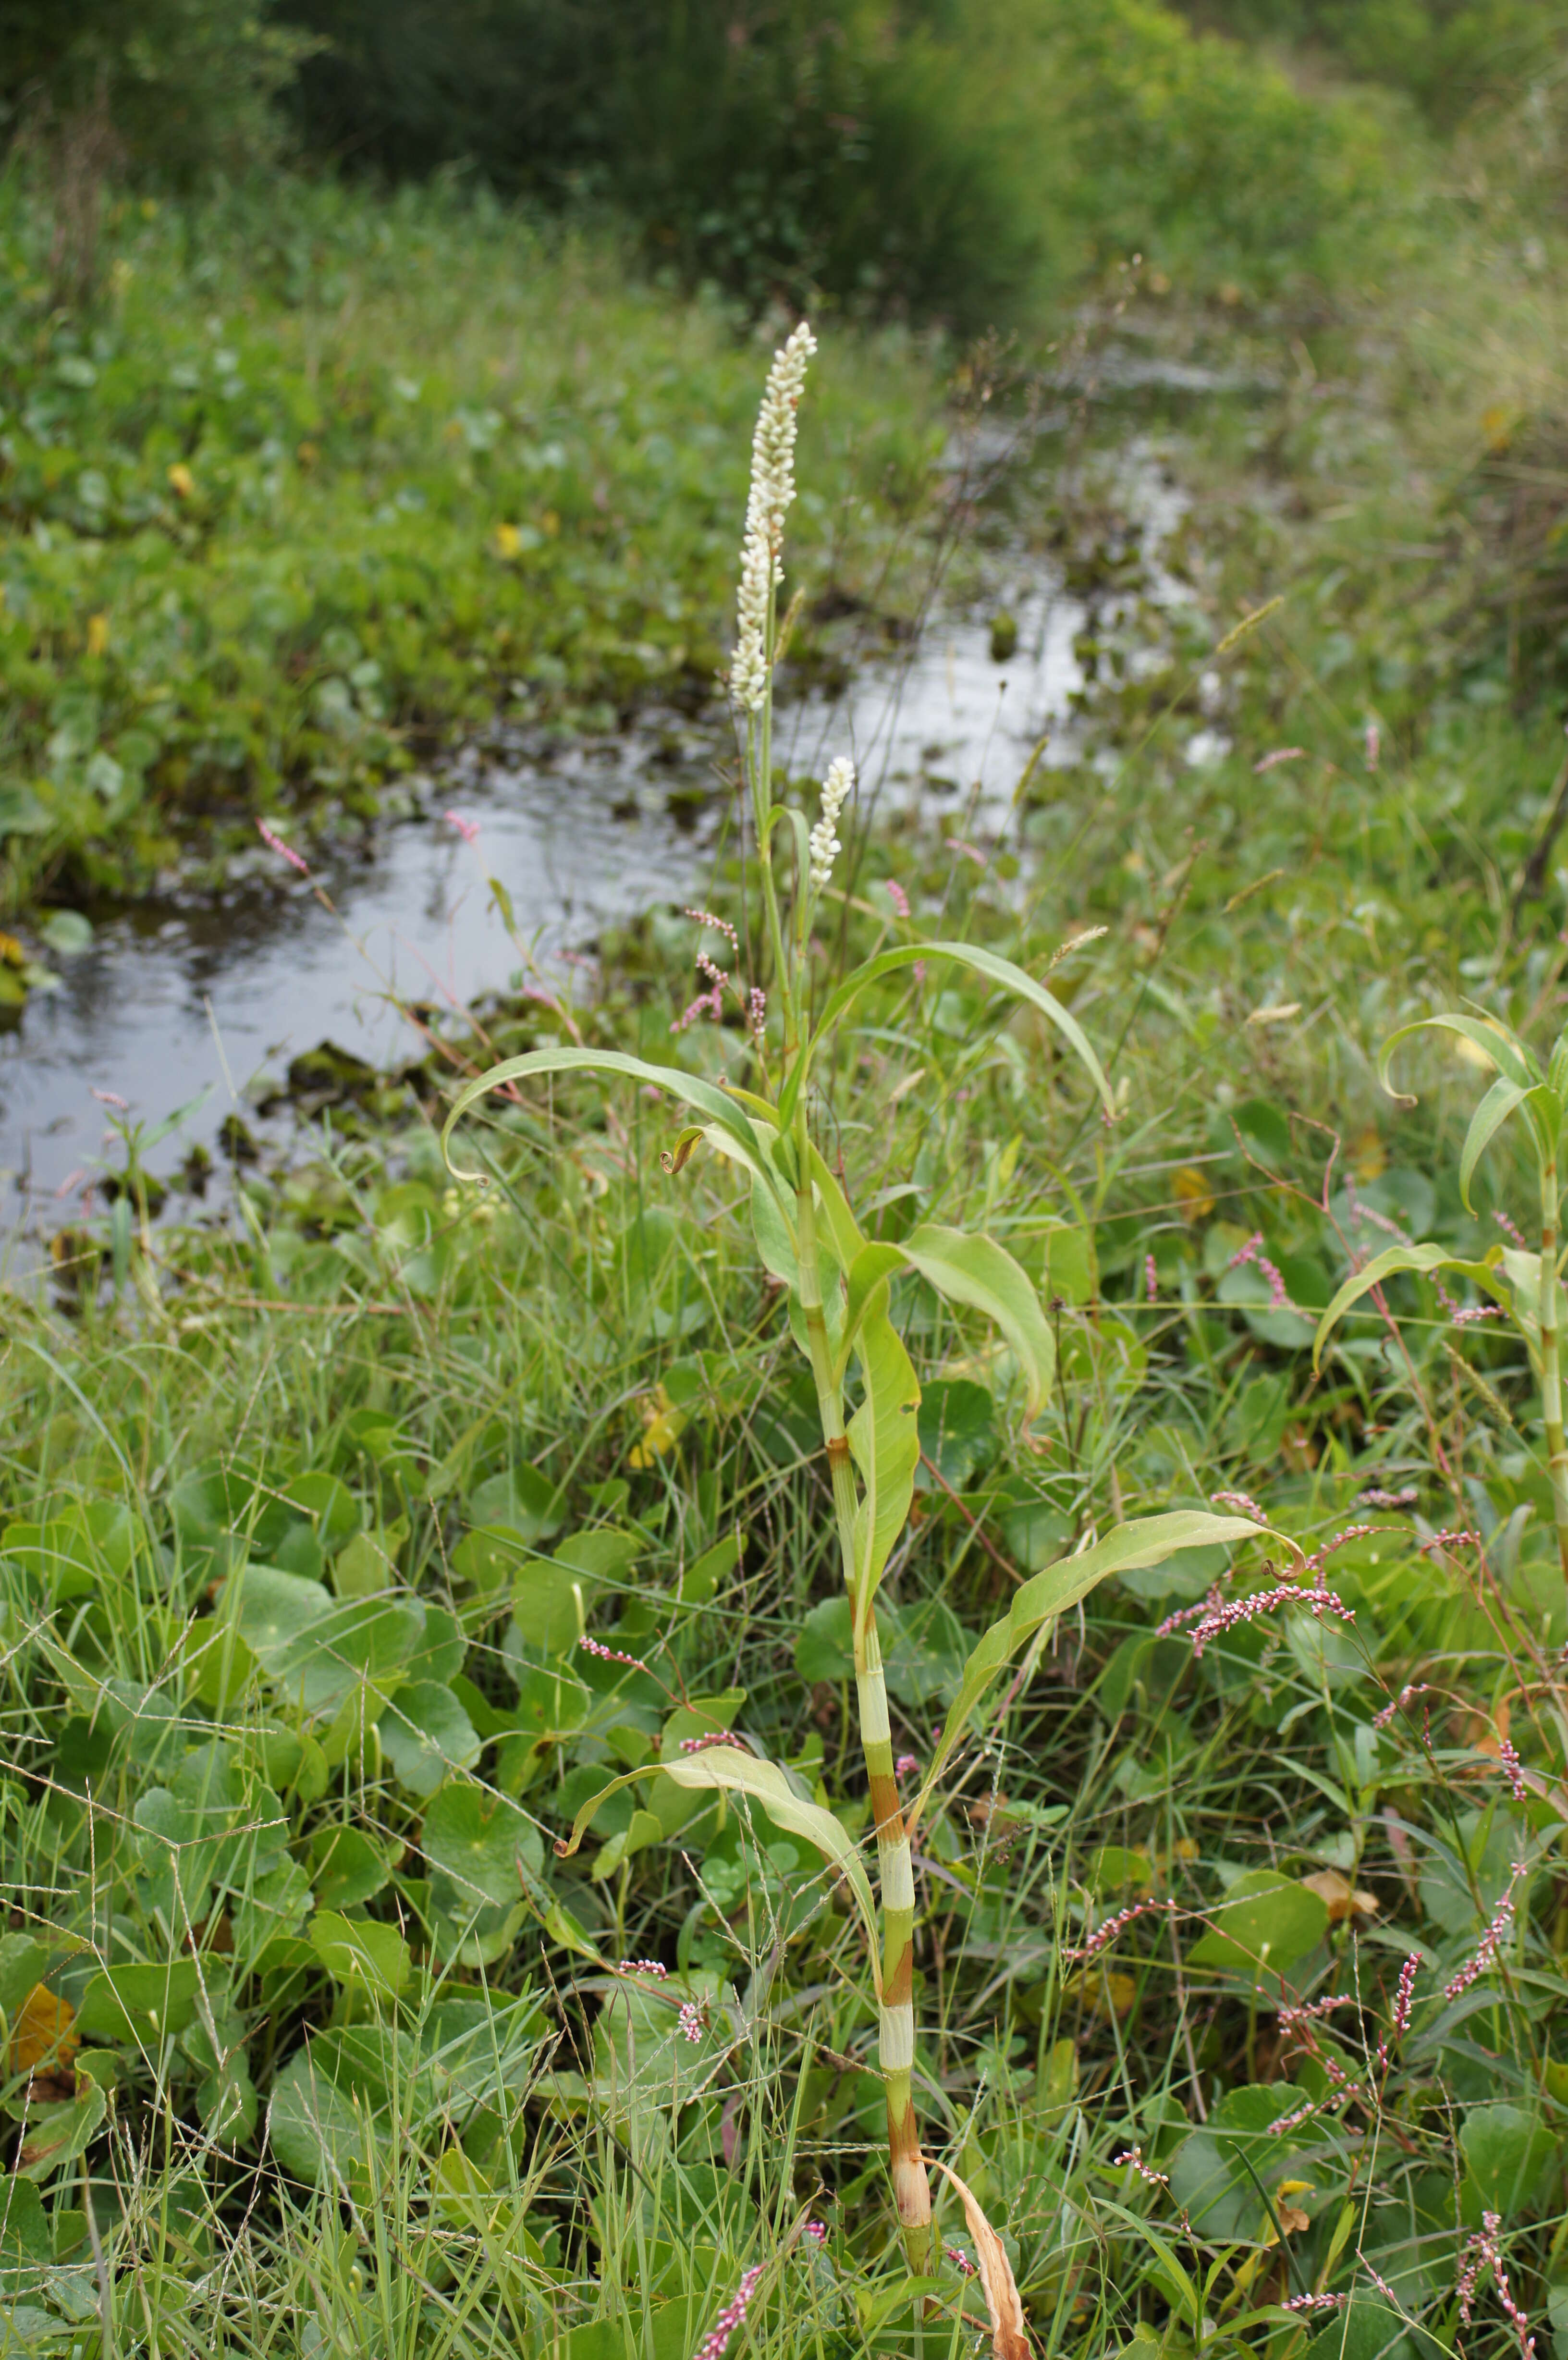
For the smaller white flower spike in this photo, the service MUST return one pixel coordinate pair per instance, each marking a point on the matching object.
(825, 845)
(767, 502)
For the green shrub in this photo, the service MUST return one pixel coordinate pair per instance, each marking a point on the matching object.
(1447, 54)
(189, 83)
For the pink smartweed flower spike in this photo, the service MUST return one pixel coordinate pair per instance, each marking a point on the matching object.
(1313, 2302)
(467, 828)
(111, 1098)
(611, 1655)
(961, 2261)
(1378, 1498)
(715, 2343)
(1374, 745)
(906, 1766)
(713, 1737)
(1151, 1279)
(690, 2022)
(1509, 1228)
(897, 895)
(1483, 2252)
(642, 1967)
(1280, 754)
(1218, 1615)
(1279, 1294)
(1243, 1502)
(1406, 1696)
(1404, 2001)
(719, 925)
(1484, 1957)
(1103, 1936)
(1513, 1769)
(1132, 2161)
(1453, 1539)
(275, 843)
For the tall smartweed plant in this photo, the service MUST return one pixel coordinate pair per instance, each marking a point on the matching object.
(838, 1283)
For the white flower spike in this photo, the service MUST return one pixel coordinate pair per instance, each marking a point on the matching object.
(825, 845)
(767, 502)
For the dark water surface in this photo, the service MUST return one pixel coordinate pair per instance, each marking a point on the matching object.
(211, 1002)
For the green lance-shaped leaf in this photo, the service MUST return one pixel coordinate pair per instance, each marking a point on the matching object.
(982, 962)
(983, 1274)
(872, 1266)
(690, 1089)
(726, 1767)
(1485, 1124)
(1149, 1541)
(1510, 1056)
(1389, 1265)
(885, 1442)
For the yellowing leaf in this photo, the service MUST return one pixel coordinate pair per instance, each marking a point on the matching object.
(663, 1424)
(1368, 1157)
(1096, 1985)
(507, 542)
(181, 482)
(97, 634)
(1010, 2339)
(1193, 1196)
(44, 2031)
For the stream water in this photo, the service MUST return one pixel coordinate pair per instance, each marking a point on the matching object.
(210, 1003)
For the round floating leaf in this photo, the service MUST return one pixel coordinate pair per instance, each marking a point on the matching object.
(145, 2003)
(347, 1868)
(483, 1842)
(276, 1611)
(426, 1734)
(357, 1950)
(329, 1505)
(823, 1650)
(1265, 1923)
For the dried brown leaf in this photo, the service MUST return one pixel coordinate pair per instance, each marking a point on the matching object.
(1010, 2339)
(1340, 1897)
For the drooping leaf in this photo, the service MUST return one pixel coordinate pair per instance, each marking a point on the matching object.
(1389, 1265)
(688, 1089)
(1484, 1124)
(1009, 2338)
(981, 962)
(1509, 1055)
(727, 1769)
(979, 1272)
(1149, 1541)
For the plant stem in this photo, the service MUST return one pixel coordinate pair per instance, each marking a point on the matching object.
(894, 1867)
(1551, 1373)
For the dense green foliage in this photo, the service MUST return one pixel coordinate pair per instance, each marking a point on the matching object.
(311, 2044)
(957, 162)
(1449, 55)
(350, 474)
